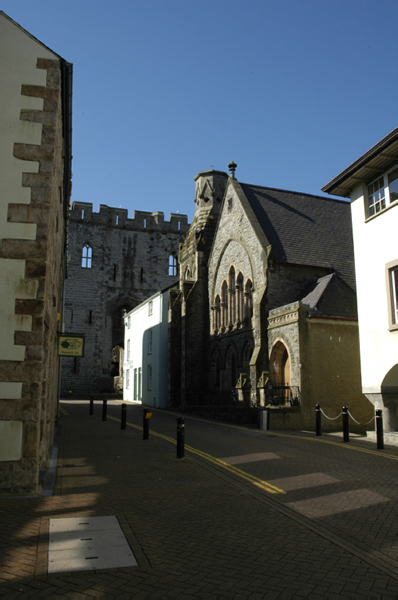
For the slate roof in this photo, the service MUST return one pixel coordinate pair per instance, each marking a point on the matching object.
(305, 229)
(329, 296)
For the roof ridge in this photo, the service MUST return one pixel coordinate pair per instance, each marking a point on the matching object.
(328, 198)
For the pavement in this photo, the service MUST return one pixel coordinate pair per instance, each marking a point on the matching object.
(245, 513)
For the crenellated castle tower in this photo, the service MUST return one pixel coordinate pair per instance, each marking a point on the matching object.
(114, 263)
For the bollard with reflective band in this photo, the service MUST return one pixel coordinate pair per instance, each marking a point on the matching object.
(91, 405)
(104, 410)
(318, 416)
(346, 432)
(124, 417)
(145, 426)
(180, 437)
(379, 429)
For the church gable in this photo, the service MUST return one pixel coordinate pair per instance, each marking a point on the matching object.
(236, 245)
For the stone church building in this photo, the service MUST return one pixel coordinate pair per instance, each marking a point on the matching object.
(114, 263)
(265, 311)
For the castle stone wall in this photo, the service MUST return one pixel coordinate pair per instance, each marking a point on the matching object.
(129, 262)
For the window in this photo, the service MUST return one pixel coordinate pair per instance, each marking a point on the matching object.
(217, 314)
(87, 256)
(393, 185)
(127, 379)
(128, 349)
(135, 384)
(376, 196)
(150, 341)
(139, 384)
(382, 192)
(150, 307)
(149, 371)
(231, 297)
(392, 294)
(248, 301)
(172, 266)
(224, 305)
(128, 322)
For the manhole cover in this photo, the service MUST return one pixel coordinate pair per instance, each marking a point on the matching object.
(87, 544)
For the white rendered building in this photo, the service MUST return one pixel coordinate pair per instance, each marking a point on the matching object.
(145, 352)
(372, 184)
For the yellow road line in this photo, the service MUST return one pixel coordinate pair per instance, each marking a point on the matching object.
(63, 411)
(317, 439)
(268, 487)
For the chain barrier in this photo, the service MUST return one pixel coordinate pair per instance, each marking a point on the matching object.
(331, 418)
(357, 422)
(392, 426)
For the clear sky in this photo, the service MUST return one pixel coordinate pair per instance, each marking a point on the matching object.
(292, 90)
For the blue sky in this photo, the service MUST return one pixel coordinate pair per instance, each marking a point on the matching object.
(292, 90)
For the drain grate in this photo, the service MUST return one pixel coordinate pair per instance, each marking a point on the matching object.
(87, 544)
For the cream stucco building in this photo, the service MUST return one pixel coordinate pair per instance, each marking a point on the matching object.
(35, 158)
(371, 183)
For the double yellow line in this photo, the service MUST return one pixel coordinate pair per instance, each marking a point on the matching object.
(260, 483)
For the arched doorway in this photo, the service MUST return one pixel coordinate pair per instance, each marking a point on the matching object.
(280, 372)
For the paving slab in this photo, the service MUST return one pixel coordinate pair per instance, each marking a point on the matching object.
(199, 529)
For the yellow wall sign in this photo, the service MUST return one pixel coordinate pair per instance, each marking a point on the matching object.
(70, 345)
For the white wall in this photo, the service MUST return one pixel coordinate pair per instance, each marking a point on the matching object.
(141, 324)
(375, 245)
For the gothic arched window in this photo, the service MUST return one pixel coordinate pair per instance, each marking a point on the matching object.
(87, 256)
(224, 304)
(248, 303)
(239, 298)
(231, 296)
(217, 314)
(172, 265)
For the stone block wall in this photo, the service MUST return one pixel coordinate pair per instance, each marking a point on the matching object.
(129, 262)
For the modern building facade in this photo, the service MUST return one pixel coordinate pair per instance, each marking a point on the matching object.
(371, 183)
(35, 164)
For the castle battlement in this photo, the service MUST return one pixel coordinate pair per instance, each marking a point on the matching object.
(109, 216)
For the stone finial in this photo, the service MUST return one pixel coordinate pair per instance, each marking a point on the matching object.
(232, 166)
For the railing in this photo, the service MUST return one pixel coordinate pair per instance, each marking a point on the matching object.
(284, 395)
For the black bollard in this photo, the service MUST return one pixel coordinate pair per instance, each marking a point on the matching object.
(318, 416)
(180, 437)
(104, 410)
(91, 405)
(124, 417)
(145, 427)
(346, 432)
(379, 429)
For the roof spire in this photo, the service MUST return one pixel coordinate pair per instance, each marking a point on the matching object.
(232, 166)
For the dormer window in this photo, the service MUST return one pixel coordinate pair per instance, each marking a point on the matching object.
(382, 192)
